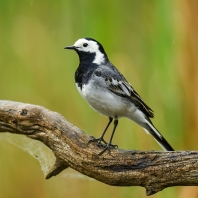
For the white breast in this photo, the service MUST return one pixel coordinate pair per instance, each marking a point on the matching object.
(104, 101)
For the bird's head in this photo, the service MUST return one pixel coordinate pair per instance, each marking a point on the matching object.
(89, 49)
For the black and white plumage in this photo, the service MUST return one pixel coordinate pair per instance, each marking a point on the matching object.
(108, 92)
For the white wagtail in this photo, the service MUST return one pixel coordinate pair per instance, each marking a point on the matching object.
(108, 92)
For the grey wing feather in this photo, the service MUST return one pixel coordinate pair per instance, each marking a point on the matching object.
(119, 86)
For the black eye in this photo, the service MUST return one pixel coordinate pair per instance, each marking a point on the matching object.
(85, 44)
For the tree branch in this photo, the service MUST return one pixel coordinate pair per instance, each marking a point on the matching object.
(153, 170)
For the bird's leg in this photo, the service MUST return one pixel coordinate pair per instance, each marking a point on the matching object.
(109, 145)
(101, 138)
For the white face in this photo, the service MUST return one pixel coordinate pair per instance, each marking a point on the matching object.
(90, 47)
(86, 46)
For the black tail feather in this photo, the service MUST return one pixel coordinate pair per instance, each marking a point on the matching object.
(158, 137)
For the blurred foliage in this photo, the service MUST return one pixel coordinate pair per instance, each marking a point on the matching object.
(153, 43)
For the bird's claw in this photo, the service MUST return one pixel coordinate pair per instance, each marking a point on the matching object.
(100, 141)
(108, 147)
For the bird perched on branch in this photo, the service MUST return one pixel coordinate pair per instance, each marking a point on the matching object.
(108, 92)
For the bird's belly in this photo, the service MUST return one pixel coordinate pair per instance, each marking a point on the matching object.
(105, 102)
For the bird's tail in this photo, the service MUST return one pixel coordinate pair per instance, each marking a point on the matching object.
(148, 126)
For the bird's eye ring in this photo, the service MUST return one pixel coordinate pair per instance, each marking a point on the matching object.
(85, 44)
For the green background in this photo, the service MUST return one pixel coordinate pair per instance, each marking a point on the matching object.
(154, 43)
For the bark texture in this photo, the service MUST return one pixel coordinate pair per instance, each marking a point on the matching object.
(153, 170)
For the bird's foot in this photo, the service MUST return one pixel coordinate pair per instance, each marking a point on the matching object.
(108, 147)
(100, 141)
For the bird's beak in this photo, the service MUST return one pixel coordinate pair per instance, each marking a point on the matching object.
(70, 47)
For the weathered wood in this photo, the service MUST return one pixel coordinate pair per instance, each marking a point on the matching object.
(153, 170)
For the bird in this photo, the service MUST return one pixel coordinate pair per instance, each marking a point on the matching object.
(108, 92)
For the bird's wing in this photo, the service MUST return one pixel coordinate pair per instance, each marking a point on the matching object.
(118, 85)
